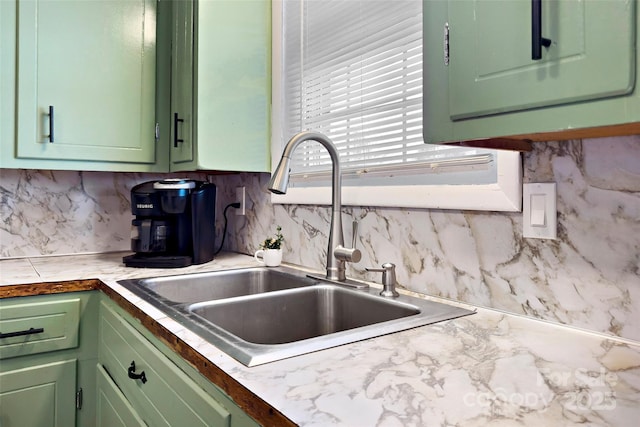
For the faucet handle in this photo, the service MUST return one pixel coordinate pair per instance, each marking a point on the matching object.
(349, 254)
(354, 234)
(388, 271)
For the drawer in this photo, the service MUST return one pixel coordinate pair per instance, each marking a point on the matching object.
(168, 397)
(35, 325)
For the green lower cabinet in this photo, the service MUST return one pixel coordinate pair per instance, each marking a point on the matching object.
(112, 407)
(486, 83)
(78, 359)
(152, 384)
(39, 326)
(42, 363)
(48, 352)
(39, 396)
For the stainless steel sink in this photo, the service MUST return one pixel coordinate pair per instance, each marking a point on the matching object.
(189, 288)
(300, 314)
(260, 315)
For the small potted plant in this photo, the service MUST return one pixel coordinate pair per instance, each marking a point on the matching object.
(270, 253)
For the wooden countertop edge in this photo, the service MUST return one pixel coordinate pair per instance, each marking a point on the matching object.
(44, 288)
(253, 405)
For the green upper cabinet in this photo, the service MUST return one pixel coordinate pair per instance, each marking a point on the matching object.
(490, 86)
(491, 68)
(93, 63)
(135, 85)
(221, 85)
(182, 89)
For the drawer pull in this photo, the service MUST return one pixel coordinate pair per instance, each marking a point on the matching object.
(29, 331)
(132, 373)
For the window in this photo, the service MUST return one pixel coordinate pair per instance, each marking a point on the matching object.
(352, 69)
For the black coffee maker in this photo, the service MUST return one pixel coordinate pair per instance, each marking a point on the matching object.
(174, 223)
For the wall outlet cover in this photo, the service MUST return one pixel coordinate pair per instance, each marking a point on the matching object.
(241, 197)
(539, 215)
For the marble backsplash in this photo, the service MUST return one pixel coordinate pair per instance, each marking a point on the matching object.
(588, 278)
(65, 212)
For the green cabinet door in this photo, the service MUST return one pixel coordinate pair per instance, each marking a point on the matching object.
(112, 407)
(485, 84)
(182, 90)
(174, 393)
(39, 396)
(491, 69)
(93, 63)
(221, 85)
(166, 396)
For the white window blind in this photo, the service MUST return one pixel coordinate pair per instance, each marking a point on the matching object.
(352, 70)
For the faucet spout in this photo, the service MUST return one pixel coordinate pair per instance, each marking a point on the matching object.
(337, 254)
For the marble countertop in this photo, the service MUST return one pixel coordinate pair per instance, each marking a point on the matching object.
(491, 367)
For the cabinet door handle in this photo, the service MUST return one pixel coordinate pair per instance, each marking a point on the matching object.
(50, 136)
(132, 373)
(176, 120)
(537, 41)
(29, 331)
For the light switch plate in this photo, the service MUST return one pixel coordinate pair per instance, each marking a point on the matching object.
(539, 216)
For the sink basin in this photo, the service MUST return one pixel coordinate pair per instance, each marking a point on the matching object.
(261, 315)
(285, 317)
(195, 287)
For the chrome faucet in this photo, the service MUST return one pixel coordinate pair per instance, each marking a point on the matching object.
(337, 254)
